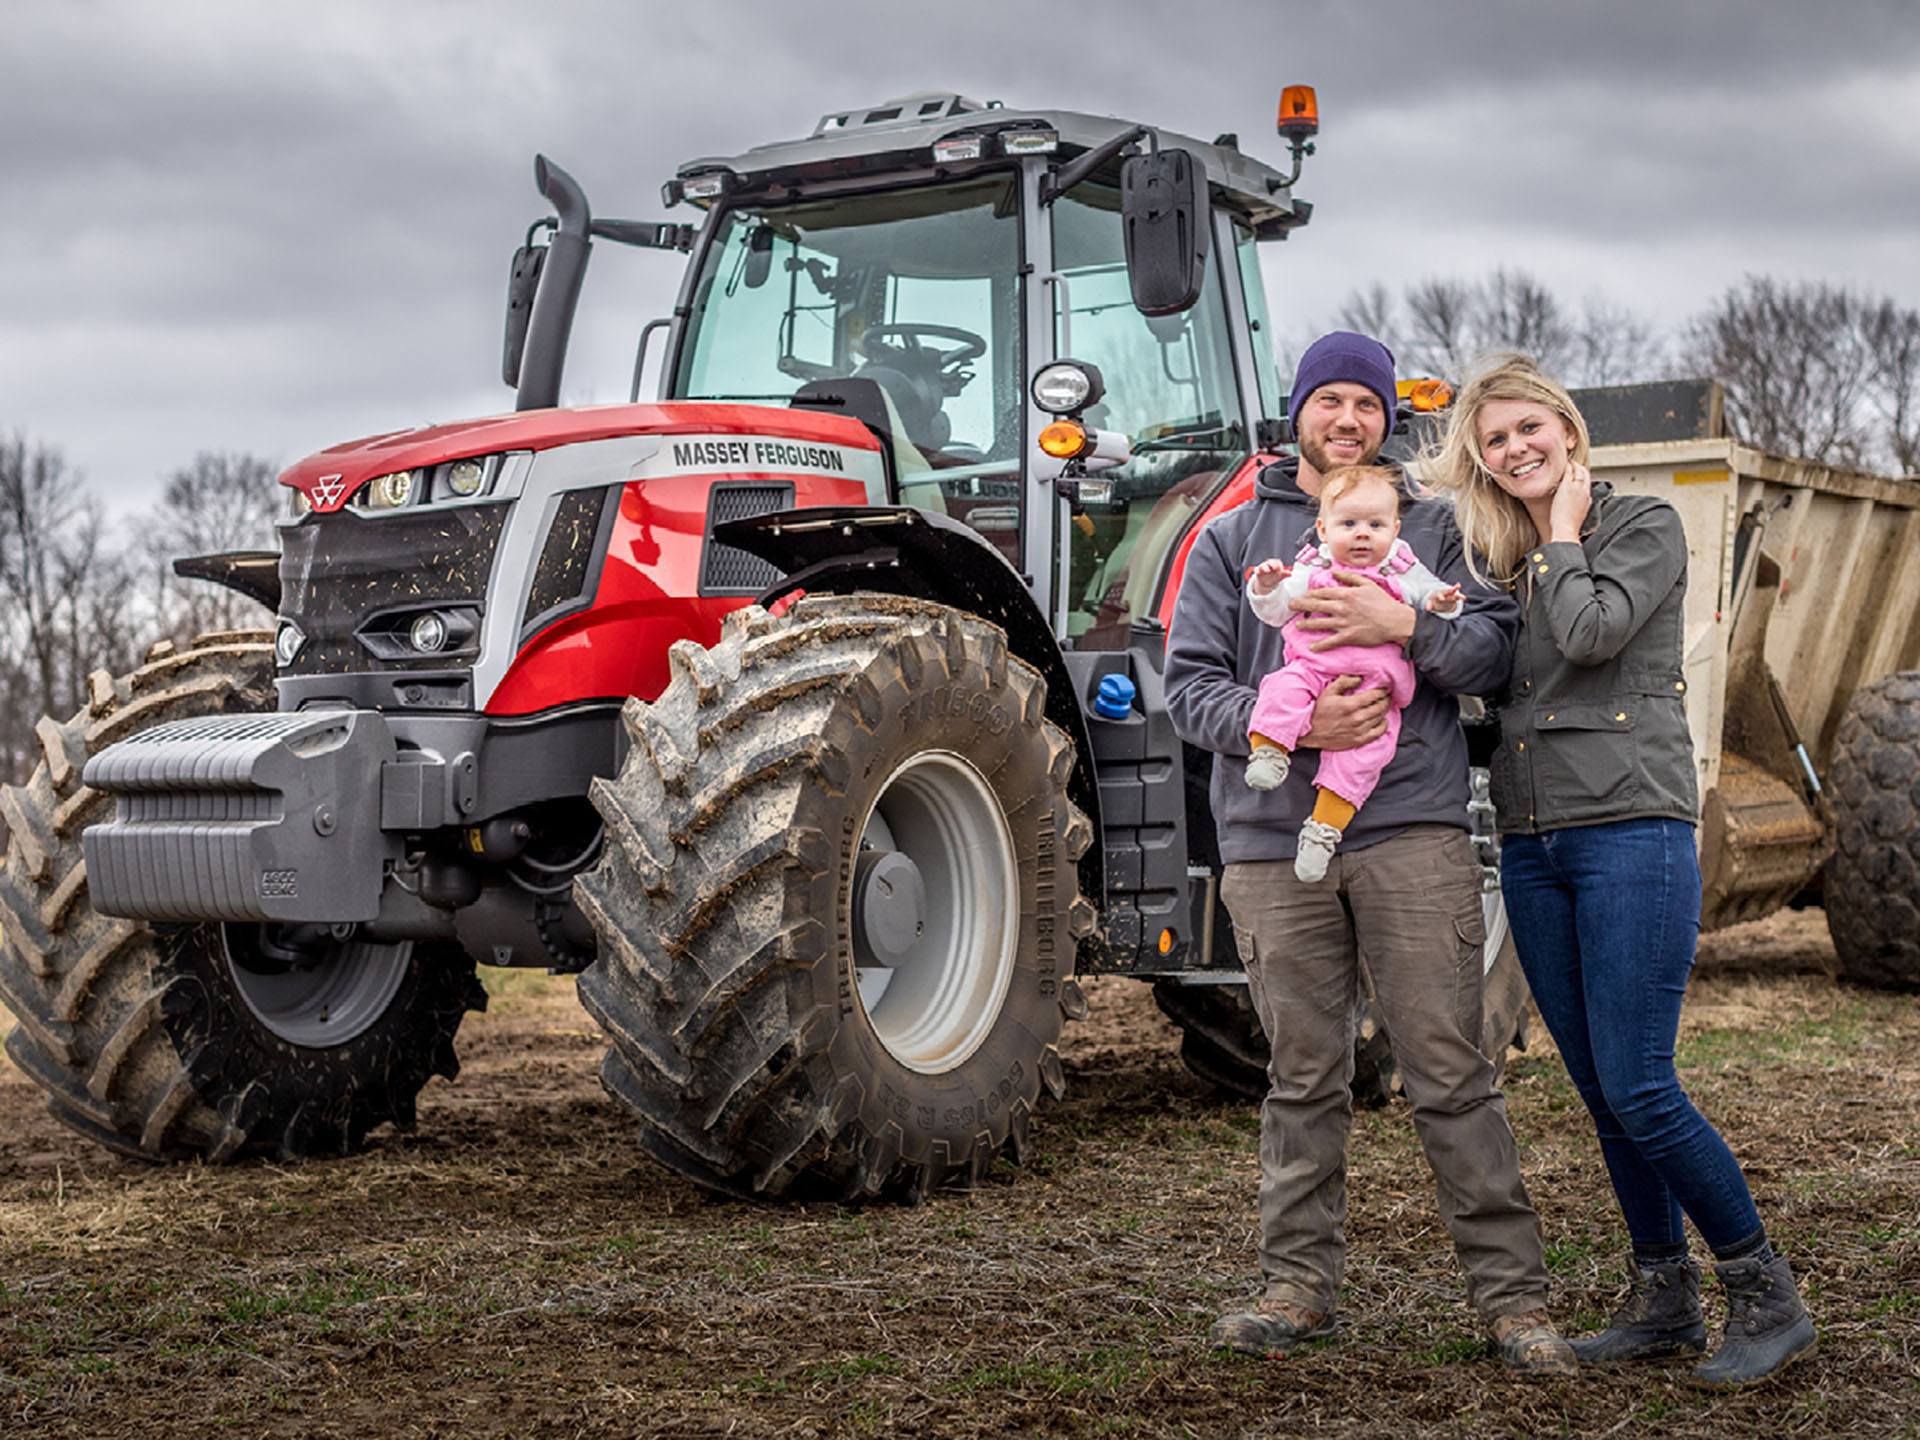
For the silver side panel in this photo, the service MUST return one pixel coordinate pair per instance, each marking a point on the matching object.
(538, 482)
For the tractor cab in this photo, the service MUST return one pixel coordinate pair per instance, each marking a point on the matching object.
(918, 263)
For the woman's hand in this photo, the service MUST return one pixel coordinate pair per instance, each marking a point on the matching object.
(1571, 502)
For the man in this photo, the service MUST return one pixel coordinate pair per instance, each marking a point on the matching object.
(1403, 889)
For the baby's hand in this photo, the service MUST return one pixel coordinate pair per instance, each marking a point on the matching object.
(1267, 575)
(1443, 600)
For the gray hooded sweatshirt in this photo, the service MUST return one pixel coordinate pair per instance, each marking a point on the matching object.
(1218, 651)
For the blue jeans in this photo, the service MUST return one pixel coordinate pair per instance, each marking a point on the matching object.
(1605, 918)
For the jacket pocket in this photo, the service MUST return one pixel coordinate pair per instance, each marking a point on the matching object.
(1587, 762)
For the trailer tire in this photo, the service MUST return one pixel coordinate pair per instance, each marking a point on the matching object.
(1872, 883)
(142, 1036)
(793, 760)
(1222, 1043)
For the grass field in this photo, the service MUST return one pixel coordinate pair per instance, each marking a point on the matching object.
(513, 1267)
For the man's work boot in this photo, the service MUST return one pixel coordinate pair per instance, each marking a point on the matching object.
(1529, 1345)
(1318, 841)
(1767, 1326)
(1268, 1328)
(1659, 1318)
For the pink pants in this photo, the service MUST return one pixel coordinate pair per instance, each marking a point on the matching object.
(1285, 710)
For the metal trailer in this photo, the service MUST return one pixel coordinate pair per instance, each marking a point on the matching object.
(1803, 609)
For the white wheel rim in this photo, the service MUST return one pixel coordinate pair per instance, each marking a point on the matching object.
(936, 1006)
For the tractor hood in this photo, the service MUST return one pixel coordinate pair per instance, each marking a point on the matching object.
(331, 478)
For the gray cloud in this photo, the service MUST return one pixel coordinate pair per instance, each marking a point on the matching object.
(270, 227)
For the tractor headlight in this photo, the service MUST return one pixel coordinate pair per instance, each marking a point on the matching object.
(465, 477)
(428, 634)
(387, 492)
(1067, 386)
(286, 645)
(299, 504)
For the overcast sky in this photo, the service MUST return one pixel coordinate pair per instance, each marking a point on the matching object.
(271, 227)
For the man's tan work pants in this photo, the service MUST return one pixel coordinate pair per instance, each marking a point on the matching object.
(1411, 906)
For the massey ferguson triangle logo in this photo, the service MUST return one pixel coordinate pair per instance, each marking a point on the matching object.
(327, 489)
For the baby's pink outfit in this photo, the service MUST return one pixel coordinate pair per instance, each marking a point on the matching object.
(1285, 707)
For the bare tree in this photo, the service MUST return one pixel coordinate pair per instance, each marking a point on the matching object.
(1795, 363)
(1373, 311)
(1513, 311)
(1441, 338)
(67, 593)
(1893, 341)
(1614, 346)
(219, 502)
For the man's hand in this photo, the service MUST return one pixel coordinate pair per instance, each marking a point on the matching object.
(1267, 575)
(1357, 612)
(1345, 716)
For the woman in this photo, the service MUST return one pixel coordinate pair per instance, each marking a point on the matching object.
(1596, 802)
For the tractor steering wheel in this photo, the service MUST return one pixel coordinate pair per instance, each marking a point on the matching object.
(899, 344)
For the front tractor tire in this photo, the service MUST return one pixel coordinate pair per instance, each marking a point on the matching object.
(839, 905)
(174, 1042)
(1872, 883)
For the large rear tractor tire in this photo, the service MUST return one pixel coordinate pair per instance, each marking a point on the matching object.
(171, 1042)
(838, 907)
(1222, 1043)
(1872, 883)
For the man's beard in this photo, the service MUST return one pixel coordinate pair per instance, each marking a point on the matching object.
(1315, 454)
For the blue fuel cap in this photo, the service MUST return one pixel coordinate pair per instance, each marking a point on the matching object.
(1115, 699)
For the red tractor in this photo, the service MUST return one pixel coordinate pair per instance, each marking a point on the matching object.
(810, 713)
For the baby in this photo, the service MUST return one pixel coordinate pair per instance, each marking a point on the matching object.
(1359, 530)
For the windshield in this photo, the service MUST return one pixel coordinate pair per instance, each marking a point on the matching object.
(917, 290)
(1170, 386)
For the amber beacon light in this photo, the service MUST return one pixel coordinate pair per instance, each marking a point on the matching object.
(1299, 112)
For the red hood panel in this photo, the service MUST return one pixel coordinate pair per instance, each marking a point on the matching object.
(333, 475)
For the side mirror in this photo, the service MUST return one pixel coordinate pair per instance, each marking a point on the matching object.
(523, 283)
(759, 257)
(1165, 214)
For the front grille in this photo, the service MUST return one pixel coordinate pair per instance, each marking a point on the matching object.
(727, 569)
(338, 571)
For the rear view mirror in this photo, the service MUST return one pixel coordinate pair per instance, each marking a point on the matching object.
(759, 257)
(1165, 214)
(522, 284)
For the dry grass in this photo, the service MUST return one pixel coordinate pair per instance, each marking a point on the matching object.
(513, 1268)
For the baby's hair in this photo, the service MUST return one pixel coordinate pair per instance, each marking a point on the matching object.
(1351, 477)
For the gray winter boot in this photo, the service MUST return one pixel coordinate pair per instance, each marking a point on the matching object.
(1660, 1317)
(1766, 1324)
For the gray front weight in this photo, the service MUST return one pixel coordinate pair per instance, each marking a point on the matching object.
(244, 817)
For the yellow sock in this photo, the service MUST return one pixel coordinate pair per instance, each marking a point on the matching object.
(1330, 809)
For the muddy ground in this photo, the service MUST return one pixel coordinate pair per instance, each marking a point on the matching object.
(515, 1268)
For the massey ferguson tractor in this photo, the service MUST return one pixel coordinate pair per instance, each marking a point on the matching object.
(811, 712)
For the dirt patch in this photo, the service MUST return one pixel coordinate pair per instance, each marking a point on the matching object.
(513, 1267)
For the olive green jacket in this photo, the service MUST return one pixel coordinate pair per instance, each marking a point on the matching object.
(1593, 723)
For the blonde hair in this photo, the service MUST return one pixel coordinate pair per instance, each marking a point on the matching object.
(1348, 478)
(1495, 527)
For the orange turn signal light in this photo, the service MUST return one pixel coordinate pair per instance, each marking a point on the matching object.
(1166, 942)
(1063, 439)
(1299, 112)
(1425, 396)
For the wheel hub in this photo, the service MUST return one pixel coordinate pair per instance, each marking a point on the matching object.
(889, 907)
(342, 990)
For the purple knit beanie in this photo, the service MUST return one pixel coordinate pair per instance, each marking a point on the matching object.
(1343, 355)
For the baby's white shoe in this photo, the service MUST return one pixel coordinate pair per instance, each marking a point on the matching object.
(1318, 840)
(1268, 767)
